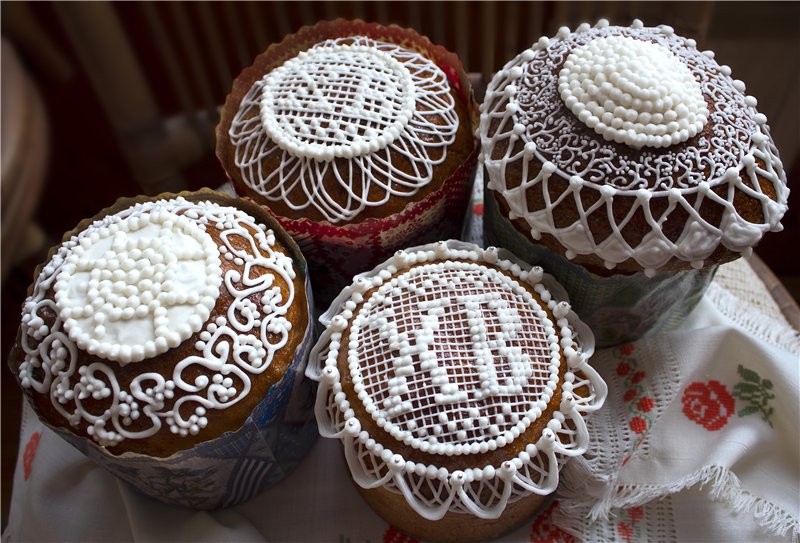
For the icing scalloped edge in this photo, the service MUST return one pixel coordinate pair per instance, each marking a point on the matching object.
(515, 478)
(698, 240)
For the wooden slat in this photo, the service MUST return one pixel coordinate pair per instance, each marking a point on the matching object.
(217, 50)
(196, 61)
(234, 24)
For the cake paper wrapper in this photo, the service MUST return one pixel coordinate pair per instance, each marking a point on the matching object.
(620, 308)
(237, 465)
(336, 253)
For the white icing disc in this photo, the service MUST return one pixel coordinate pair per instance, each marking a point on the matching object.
(453, 358)
(136, 288)
(337, 101)
(632, 91)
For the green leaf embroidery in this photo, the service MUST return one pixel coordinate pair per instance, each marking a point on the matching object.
(756, 393)
(749, 375)
(749, 410)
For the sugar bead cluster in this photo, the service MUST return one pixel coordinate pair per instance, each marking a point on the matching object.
(438, 359)
(161, 255)
(134, 289)
(633, 92)
(540, 118)
(373, 103)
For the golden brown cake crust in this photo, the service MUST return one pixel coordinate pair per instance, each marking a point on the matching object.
(276, 55)
(164, 443)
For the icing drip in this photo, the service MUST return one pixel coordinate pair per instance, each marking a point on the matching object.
(134, 289)
(633, 92)
(231, 349)
(446, 341)
(372, 102)
(525, 121)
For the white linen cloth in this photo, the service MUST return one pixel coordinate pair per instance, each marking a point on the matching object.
(698, 441)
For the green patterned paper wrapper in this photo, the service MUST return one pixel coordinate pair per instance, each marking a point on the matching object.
(619, 308)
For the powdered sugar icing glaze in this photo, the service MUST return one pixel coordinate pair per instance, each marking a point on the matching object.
(354, 98)
(679, 148)
(452, 356)
(157, 275)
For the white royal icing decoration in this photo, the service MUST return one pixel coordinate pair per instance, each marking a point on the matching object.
(526, 119)
(134, 289)
(337, 101)
(353, 98)
(633, 92)
(232, 347)
(454, 357)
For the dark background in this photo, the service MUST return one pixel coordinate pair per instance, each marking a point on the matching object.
(130, 93)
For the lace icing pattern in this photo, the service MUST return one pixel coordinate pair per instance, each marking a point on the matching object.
(231, 348)
(536, 127)
(432, 491)
(375, 103)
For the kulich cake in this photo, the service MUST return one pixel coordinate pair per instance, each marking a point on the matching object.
(626, 150)
(355, 136)
(164, 329)
(456, 381)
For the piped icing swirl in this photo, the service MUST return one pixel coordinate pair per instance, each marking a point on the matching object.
(449, 354)
(375, 116)
(540, 137)
(166, 265)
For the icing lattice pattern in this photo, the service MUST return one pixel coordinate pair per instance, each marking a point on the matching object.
(505, 362)
(232, 347)
(535, 126)
(375, 103)
(440, 318)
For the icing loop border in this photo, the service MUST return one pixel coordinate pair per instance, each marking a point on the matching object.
(741, 153)
(533, 471)
(225, 346)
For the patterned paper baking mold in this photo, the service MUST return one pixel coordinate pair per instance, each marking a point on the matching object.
(546, 97)
(336, 252)
(215, 473)
(483, 491)
(619, 308)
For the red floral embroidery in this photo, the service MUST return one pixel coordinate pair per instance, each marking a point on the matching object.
(708, 404)
(393, 535)
(477, 209)
(630, 394)
(629, 530)
(638, 424)
(543, 530)
(645, 404)
(635, 396)
(30, 454)
(625, 532)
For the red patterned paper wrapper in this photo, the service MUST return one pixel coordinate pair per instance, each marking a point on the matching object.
(335, 253)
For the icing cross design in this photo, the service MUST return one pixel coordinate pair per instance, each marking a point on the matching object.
(134, 289)
(371, 103)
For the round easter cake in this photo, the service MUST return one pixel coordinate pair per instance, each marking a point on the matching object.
(456, 382)
(348, 129)
(162, 323)
(628, 149)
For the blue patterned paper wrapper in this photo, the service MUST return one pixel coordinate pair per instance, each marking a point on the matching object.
(620, 308)
(237, 465)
